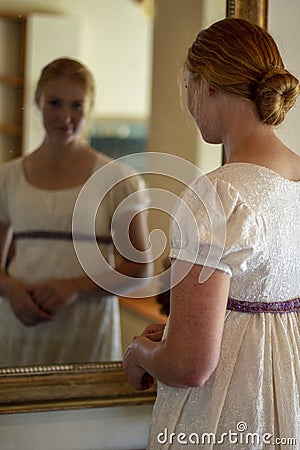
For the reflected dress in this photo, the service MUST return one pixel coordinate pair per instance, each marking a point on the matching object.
(251, 401)
(88, 329)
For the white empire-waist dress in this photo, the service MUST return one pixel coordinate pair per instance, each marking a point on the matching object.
(251, 401)
(88, 329)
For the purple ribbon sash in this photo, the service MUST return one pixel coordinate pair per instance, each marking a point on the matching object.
(264, 307)
(61, 235)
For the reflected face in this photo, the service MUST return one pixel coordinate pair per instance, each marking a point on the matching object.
(64, 105)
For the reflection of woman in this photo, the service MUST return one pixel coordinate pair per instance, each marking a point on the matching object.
(232, 378)
(50, 310)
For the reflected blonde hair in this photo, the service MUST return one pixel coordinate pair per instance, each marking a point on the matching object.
(241, 58)
(70, 69)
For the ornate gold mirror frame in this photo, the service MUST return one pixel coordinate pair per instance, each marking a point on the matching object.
(74, 386)
(254, 10)
(67, 386)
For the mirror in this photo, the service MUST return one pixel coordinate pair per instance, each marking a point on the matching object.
(119, 119)
(67, 386)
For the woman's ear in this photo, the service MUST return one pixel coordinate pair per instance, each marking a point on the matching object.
(206, 89)
(210, 90)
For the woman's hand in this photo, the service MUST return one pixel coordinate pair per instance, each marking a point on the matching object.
(139, 377)
(23, 305)
(154, 332)
(53, 295)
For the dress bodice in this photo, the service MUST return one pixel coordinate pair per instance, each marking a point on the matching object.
(261, 221)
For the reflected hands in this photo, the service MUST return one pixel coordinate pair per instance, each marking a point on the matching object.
(53, 295)
(23, 305)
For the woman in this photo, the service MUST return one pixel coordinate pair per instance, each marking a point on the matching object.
(228, 361)
(51, 311)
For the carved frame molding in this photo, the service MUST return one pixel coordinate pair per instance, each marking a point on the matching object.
(67, 386)
(254, 10)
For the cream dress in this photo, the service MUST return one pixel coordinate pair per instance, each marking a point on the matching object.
(88, 329)
(252, 399)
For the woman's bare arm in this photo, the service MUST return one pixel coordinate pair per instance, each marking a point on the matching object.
(190, 352)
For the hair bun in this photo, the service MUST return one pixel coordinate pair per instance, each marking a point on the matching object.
(276, 92)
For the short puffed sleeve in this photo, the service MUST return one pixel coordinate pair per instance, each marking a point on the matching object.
(214, 227)
(113, 193)
(128, 191)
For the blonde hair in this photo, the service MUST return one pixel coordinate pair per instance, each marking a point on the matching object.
(241, 58)
(69, 68)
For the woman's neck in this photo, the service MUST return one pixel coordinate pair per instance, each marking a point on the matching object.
(50, 152)
(262, 147)
(251, 144)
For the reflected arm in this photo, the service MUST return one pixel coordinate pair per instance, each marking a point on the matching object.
(6, 243)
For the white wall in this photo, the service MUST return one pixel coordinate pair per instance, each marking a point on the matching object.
(124, 428)
(284, 17)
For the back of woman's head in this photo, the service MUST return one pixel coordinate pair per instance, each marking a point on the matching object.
(66, 68)
(241, 58)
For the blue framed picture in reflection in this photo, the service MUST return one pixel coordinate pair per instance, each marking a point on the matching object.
(120, 137)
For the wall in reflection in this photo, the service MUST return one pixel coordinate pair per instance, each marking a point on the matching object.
(112, 37)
